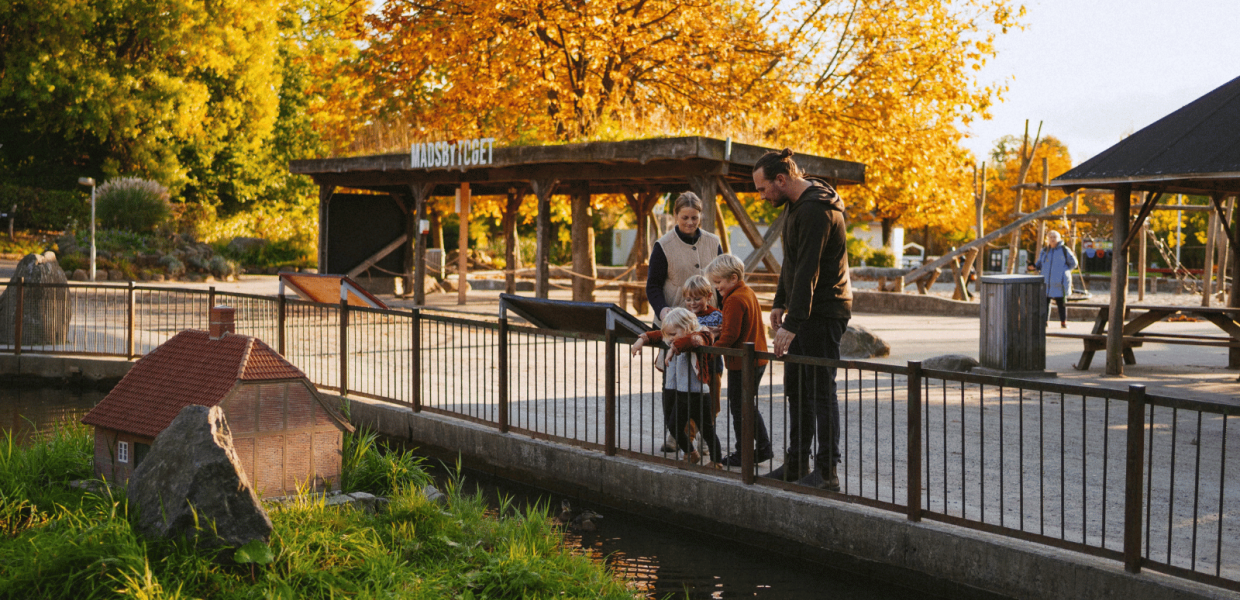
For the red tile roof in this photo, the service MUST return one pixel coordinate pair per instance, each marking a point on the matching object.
(190, 368)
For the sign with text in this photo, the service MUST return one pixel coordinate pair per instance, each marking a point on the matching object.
(461, 153)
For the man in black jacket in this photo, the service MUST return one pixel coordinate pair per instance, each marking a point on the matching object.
(812, 306)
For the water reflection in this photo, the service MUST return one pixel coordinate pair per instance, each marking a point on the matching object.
(27, 411)
(663, 561)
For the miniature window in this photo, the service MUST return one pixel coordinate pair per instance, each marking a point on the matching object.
(122, 452)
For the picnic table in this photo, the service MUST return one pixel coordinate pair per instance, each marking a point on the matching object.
(1139, 317)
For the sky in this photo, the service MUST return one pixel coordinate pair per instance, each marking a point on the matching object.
(1094, 71)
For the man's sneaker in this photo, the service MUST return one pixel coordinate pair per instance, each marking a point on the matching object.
(761, 456)
(816, 479)
(732, 460)
(794, 468)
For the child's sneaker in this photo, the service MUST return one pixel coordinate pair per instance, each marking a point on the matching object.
(669, 444)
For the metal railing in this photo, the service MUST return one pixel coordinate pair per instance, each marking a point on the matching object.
(1122, 474)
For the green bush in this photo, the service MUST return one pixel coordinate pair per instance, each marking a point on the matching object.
(132, 204)
(280, 253)
(858, 251)
(48, 210)
(881, 258)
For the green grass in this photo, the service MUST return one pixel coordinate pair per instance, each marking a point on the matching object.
(58, 542)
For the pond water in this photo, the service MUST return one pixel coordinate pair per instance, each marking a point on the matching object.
(661, 560)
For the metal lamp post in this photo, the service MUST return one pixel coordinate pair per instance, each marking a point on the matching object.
(91, 182)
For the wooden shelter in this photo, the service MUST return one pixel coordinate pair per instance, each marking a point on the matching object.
(362, 231)
(1194, 150)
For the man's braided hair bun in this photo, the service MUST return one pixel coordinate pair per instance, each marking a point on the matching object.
(774, 164)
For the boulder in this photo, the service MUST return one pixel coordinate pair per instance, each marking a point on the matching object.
(431, 285)
(45, 310)
(242, 245)
(116, 275)
(192, 475)
(950, 362)
(859, 342)
(81, 275)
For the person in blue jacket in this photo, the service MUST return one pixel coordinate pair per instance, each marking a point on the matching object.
(1056, 264)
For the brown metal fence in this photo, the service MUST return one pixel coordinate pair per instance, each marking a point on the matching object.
(1143, 479)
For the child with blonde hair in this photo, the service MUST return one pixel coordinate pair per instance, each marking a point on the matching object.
(686, 384)
(696, 295)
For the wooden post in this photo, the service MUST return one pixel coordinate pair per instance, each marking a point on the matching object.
(1233, 297)
(421, 195)
(1134, 462)
(609, 393)
(542, 271)
(503, 375)
(704, 187)
(1207, 278)
(583, 244)
(981, 226)
(1046, 194)
(1119, 282)
(415, 364)
(344, 347)
(129, 318)
(913, 474)
(462, 246)
(721, 227)
(512, 251)
(18, 316)
(407, 267)
(1141, 248)
(325, 197)
(1224, 249)
(437, 232)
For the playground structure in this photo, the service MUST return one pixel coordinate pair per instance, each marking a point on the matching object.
(378, 230)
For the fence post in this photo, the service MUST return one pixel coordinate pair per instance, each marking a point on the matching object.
(913, 436)
(1133, 473)
(17, 316)
(503, 375)
(609, 394)
(129, 317)
(749, 365)
(344, 347)
(417, 358)
(281, 307)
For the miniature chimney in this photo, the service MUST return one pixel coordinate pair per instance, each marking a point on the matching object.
(222, 321)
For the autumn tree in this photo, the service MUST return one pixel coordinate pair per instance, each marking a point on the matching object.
(1004, 174)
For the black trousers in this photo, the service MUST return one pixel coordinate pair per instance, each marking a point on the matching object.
(1059, 304)
(813, 407)
(679, 407)
(761, 438)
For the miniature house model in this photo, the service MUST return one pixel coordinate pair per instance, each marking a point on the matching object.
(286, 436)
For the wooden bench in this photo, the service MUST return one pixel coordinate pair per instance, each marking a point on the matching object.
(1141, 317)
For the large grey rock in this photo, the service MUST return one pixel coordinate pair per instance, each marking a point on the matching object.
(859, 342)
(191, 475)
(45, 310)
(241, 245)
(950, 362)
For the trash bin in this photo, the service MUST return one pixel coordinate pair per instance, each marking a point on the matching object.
(1013, 326)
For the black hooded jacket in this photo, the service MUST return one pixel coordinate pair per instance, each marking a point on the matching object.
(813, 282)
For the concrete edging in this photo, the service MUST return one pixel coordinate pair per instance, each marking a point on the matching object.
(102, 372)
(972, 562)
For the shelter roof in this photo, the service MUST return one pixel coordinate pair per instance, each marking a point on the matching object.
(326, 289)
(607, 167)
(191, 368)
(1195, 149)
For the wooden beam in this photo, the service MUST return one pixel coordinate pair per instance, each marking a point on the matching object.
(919, 272)
(1037, 248)
(512, 250)
(704, 187)
(1119, 283)
(411, 236)
(462, 245)
(768, 241)
(378, 256)
(582, 244)
(1207, 275)
(543, 188)
(721, 227)
(325, 196)
(1150, 201)
(421, 194)
(747, 225)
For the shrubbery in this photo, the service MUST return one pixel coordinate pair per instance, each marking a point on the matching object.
(132, 204)
(47, 210)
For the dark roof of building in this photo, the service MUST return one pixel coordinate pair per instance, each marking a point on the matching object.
(191, 368)
(1195, 149)
(606, 167)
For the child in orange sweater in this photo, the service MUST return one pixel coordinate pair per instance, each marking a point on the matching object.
(742, 322)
